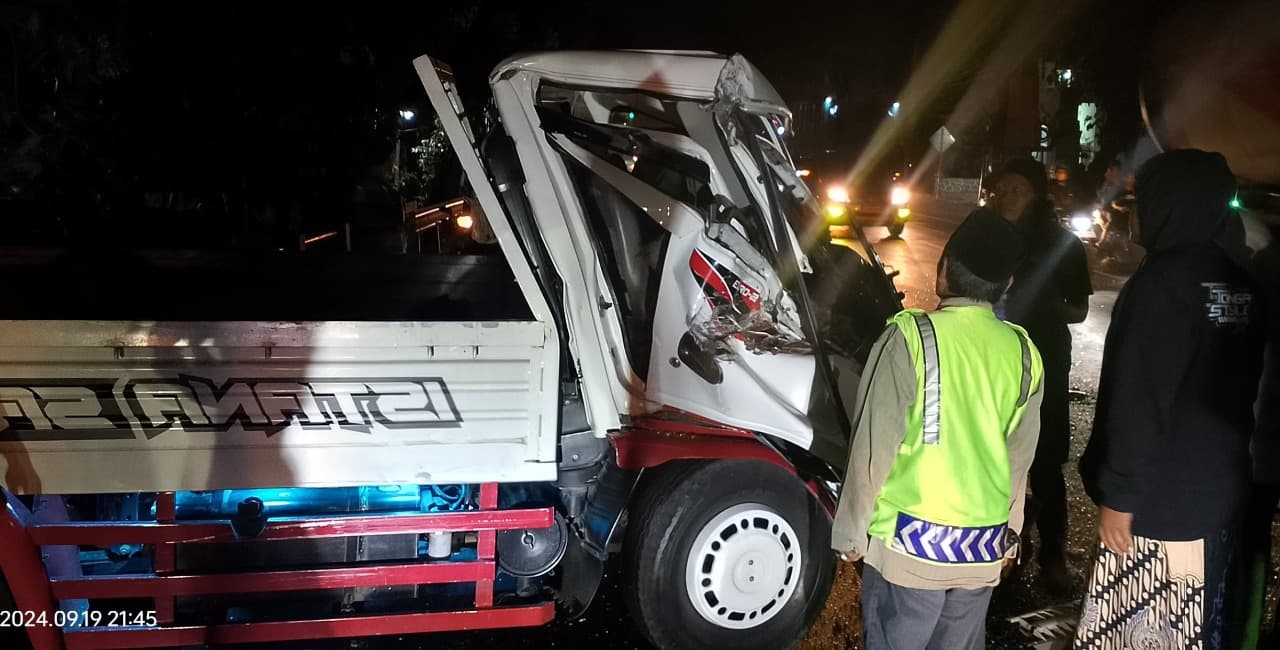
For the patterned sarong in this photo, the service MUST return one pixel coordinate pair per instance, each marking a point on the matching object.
(1153, 598)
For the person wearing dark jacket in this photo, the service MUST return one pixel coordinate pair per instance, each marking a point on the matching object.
(1168, 463)
(1050, 291)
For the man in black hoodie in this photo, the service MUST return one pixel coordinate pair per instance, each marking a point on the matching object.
(1050, 291)
(1168, 463)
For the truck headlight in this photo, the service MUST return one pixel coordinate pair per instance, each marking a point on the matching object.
(838, 194)
(900, 195)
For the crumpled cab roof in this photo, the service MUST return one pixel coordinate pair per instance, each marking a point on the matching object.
(694, 75)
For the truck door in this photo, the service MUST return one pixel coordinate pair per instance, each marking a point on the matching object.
(523, 246)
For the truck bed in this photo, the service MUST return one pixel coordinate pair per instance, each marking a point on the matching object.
(283, 371)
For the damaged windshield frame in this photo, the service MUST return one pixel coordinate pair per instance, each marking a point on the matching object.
(793, 183)
(756, 226)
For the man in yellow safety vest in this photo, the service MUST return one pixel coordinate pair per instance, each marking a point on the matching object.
(945, 431)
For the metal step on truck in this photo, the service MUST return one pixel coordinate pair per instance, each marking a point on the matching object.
(653, 358)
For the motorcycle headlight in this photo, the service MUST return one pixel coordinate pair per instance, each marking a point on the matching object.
(838, 194)
(1081, 223)
(900, 195)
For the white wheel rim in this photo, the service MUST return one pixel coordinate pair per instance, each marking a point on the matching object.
(743, 566)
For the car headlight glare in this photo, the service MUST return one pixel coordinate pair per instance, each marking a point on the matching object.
(900, 195)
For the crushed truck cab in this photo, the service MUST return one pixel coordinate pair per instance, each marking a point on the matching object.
(657, 363)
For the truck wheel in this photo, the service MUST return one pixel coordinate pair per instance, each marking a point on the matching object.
(727, 554)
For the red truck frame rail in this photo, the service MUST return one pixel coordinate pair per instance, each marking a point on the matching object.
(37, 554)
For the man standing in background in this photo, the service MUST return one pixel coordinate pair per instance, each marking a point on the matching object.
(1050, 291)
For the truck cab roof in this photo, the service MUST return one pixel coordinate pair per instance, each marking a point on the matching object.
(697, 75)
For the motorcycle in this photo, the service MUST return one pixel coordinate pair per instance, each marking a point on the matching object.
(1082, 219)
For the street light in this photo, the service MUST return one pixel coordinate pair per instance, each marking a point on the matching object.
(830, 106)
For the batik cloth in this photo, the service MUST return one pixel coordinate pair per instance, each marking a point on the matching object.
(1161, 595)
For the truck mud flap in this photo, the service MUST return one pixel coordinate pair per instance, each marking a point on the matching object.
(583, 573)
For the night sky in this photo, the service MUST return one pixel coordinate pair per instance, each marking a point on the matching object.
(113, 99)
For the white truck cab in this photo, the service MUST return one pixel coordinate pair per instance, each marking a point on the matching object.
(668, 388)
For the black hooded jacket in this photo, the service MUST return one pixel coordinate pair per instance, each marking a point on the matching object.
(1182, 362)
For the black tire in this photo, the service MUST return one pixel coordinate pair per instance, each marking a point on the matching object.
(896, 228)
(666, 520)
